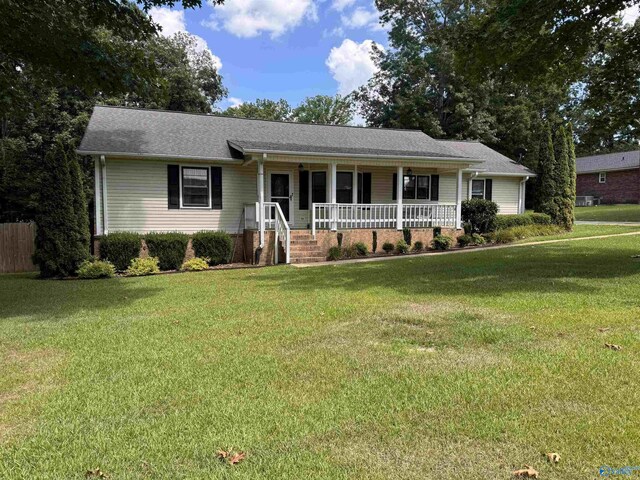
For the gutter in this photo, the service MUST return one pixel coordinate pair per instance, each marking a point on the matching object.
(152, 156)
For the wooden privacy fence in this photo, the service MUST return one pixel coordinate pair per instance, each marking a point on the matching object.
(16, 247)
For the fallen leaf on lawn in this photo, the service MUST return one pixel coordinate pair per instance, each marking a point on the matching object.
(430, 332)
(527, 472)
(237, 458)
(604, 329)
(222, 454)
(553, 457)
(95, 473)
(613, 346)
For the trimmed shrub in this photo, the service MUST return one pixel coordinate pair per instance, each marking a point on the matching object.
(387, 247)
(334, 254)
(418, 246)
(120, 248)
(349, 251)
(437, 231)
(169, 248)
(95, 268)
(143, 266)
(443, 242)
(508, 221)
(362, 249)
(195, 264)
(478, 239)
(374, 241)
(406, 234)
(465, 240)
(505, 236)
(402, 247)
(467, 228)
(216, 246)
(339, 237)
(481, 214)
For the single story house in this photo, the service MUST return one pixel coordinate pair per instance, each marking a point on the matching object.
(608, 178)
(294, 185)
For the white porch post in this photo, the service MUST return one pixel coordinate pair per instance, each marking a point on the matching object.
(333, 195)
(399, 191)
(355, 185)
(105, 210)
(260, 211)
(459, 199)
(98, 196)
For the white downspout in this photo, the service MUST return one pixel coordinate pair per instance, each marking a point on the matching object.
(261, 197)
(399, 193)
(97, 195)
(105, 211)
(523, 189)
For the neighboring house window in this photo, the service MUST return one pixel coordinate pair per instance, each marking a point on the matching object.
(344, 187)
(482, 188)
(415, 187)
(602, 177)
(195, 187)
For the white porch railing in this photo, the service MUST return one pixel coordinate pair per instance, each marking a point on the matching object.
(337, 216)
(274, 219)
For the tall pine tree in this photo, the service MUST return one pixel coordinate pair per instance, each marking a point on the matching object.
(82, 235)
(546, 181)
(562, 192)
(571, 193)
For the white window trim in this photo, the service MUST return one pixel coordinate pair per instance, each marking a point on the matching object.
(484, 187)
(208, 207)
(602, 177)
(415, 190)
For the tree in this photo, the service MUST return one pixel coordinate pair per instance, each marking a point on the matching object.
(546, 181)
(324, 109)
(562, 193)
(571, 191)
(263, 109)
(57, 251)
(80, 213)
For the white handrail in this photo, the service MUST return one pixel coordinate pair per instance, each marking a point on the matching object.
(381, 215)
(281, 227)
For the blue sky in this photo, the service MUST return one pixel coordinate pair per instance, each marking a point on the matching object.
(284, 48)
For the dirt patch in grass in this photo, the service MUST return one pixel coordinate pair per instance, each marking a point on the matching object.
(27, 376)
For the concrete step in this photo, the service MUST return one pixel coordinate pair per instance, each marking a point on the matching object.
(308, 259)
(296, 241)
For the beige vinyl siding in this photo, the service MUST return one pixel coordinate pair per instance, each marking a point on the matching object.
(505, 192)
(137, 198)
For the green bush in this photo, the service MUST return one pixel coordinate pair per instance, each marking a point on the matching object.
(443, 242)
(120, 248)
(505, 236)
(437, 231)
(508, 221)
(387, 247)
(169, 248)
(374, 241)
(350, 251)
(334, 254)
(467, 228)
(96, 269)
(478, 239)
(406, 234)
(143, 266)
(465, 240)
(216, 246)
(195, 264)
(339, 237)
(362, 249)
(402, 247)
(418, 246)
(481, 214)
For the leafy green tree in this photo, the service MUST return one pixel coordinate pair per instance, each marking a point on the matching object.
(562, 193)
(57, 251)
(324, 109)
(571, 156)
(80, 213)
(263, 109)
(546, 181)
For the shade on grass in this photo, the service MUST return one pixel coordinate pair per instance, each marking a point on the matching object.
(458, 366)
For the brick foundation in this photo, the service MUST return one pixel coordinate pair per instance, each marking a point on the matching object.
(620, 187)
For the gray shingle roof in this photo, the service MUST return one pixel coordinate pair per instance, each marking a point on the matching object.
(608, 161)
(494, 162)
(127, 131)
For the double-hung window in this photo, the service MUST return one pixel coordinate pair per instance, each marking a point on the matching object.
(477, 189)
(415, 187)
(602, 177)
(344, 187)
(195, 187)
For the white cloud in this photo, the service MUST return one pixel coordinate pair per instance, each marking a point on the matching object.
(362, 18)
(234, 101)
(351, 65)
(249, 18)
(172, 22)
(340, 5)
(630, 14)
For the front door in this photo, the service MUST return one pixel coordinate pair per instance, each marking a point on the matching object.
(282, 192)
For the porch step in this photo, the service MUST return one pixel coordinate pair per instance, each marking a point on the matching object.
(304, 249)
(307, 259)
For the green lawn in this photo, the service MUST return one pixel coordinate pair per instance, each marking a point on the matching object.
(583, 231)
(448, 367)
(609, 213)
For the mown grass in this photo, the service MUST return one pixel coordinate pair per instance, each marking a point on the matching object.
(583, 231)
(609, 213)
(448, 367)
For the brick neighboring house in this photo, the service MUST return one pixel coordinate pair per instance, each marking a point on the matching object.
(611, 178)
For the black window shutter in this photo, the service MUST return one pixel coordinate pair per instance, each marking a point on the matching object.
(304, 189)
(394, 193)
(216, 188)
(366, 187)
(435, 187)
(173, 186)
(488, 189)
